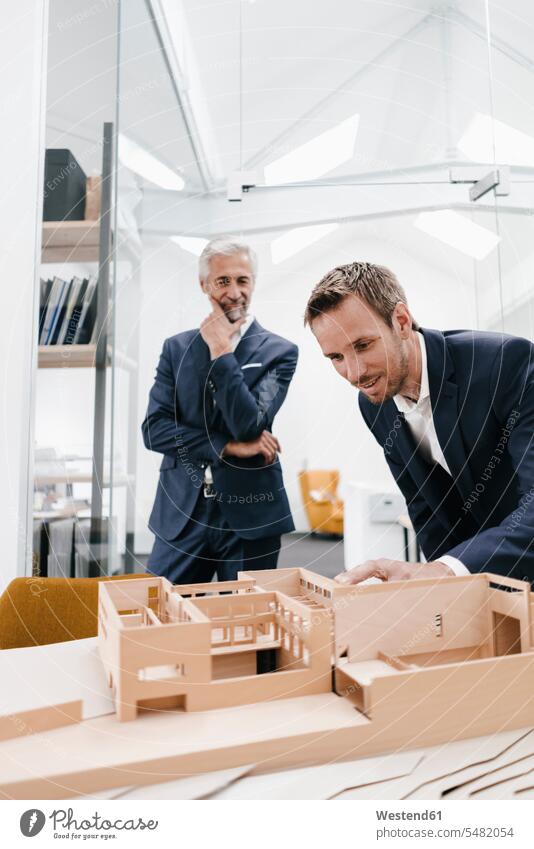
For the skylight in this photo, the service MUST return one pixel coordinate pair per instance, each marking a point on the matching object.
(458, 231)
(143, 163)
(317, 156)
(294, 241)
(512, 147)
(194, 244)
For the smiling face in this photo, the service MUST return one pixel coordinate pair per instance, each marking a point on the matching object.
(230, 282)
(372, 356)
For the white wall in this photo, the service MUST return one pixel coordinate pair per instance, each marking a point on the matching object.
(23, 55)
(319, 424)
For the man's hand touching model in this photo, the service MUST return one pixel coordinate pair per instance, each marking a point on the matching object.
(394, 570)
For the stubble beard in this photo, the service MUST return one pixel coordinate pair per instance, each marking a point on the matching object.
(395, 381)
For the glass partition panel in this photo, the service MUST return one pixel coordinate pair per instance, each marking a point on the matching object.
(322, 135)
(511, 151)
(73, 438)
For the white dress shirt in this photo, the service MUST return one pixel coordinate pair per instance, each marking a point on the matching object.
(418, 417)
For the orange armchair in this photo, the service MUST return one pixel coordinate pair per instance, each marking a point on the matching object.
(39, 611)
(323, 508)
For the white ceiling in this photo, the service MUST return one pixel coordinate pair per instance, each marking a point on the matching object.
(275, 73)
(414, 73)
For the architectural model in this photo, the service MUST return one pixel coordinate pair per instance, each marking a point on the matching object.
(276, 670)
(411, 649)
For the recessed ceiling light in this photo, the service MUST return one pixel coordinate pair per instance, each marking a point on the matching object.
(317, 156)
(194, 244)
(512, 147)
(458, 231)
(296, 240)
(146, 165)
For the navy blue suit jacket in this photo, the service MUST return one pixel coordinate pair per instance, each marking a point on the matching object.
(195, 407)
(482, 397)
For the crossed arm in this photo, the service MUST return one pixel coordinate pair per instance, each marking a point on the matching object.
(163, 430)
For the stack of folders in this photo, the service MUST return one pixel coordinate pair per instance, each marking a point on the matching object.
(61, 550)
(67, 313)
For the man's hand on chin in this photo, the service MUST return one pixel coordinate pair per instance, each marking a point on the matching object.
(394, 570)
(218, 332)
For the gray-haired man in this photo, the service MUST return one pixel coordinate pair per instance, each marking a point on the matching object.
(220, 503)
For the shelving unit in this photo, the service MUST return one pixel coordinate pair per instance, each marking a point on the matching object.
(70, 241)
(80, 242)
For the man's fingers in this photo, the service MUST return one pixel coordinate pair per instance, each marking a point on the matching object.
(268, 451)
(269, 443)
(361, 573)
(217, 309)
(272, 440)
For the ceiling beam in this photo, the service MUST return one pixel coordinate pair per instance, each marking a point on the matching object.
(271, 148)
(185, 81)
(497, 43)
(274, 210)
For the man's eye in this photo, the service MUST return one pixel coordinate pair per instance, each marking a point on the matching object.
(362, 346)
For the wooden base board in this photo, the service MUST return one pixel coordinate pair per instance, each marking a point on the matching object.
(103, 753)
(45, 718)
(41, 677)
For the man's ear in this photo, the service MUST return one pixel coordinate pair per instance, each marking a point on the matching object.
(204, 286)
(401, 314)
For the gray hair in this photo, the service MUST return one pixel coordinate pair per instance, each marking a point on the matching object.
(225, 246)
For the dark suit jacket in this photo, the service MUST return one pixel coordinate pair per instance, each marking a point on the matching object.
(195, 407)
(482, 397)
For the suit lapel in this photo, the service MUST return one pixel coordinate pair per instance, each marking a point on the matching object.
(200, 352)
(202, 364)
(445, 412)
(245, 351)
(420, 470)
(250, 342)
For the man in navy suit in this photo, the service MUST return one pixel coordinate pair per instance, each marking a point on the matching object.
(220, 502)
(454, 413)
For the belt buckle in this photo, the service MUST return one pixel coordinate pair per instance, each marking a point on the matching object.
(209, 492)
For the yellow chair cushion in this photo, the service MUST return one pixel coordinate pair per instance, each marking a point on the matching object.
(38, 611)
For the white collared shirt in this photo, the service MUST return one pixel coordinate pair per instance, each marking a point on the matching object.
(240, 332)
(418, 417)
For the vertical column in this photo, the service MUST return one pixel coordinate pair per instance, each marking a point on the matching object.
(23, 39)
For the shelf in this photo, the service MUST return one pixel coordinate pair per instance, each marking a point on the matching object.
(51, 515)
(80, 477)
(77, 356)
(70, 241)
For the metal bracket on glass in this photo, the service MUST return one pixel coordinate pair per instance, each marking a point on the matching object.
(239, 182)
(483, 182)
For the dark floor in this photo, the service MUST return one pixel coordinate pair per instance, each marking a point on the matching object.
(323, 555)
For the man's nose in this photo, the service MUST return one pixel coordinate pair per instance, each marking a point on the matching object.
(233, 291)
(354, 368)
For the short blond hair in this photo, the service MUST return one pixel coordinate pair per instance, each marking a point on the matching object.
(374, 284)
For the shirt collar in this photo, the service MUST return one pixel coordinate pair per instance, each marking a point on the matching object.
(404, 405)
(240, 332)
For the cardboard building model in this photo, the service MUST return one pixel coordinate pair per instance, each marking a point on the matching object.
(423, 659)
